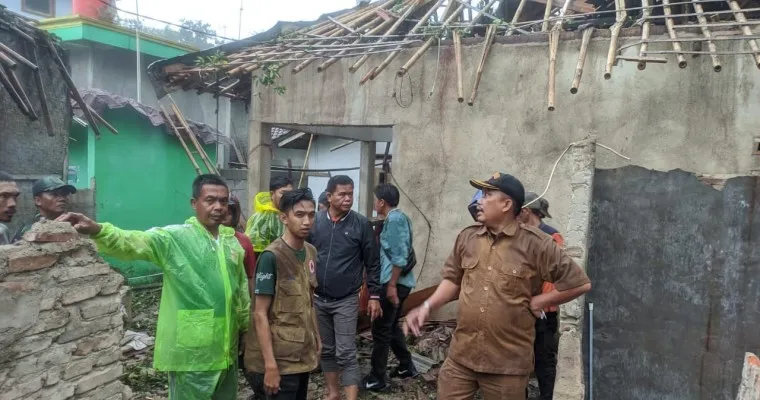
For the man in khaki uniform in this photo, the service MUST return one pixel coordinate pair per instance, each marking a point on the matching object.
(285, 346)
(497, 268)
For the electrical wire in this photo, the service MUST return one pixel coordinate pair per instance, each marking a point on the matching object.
(427, 221)
(165, 22)
(554, 168)
(397, 93)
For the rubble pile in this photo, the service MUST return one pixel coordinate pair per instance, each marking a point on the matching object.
(61, 322)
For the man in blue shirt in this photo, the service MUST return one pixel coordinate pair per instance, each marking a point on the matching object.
(395, 247)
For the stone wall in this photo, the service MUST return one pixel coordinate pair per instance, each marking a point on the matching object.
(61, 324)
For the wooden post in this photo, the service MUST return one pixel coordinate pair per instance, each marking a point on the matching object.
(672, 33)
(458, 57)
(620, 17)
(646, 13)
(193, 139)
(746, 31)
(306, 160)
(490, 33)
(553, 46)
(706, 33)
(74, 92)
(21, 93)
(169, 121)
(41, 91)
(581, 59)
(6, 82)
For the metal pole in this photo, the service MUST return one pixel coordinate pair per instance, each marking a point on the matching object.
(590, 351)
(137, 50)
(240, 20)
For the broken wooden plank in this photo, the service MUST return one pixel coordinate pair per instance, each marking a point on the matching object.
(103, 121)
(73, 88)
(6, 82)
(41, 92)
(18, 57)
(6, 61)
(21, 93)
(168, 120)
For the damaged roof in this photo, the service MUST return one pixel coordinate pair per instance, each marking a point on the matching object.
(387, 27)
(101, 100)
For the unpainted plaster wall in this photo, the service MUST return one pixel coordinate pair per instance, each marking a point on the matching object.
(663, 118)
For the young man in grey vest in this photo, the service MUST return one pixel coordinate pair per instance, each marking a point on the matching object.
(284, 346)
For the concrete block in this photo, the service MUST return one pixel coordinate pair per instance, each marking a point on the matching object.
(569, 382)
(108, 356)
(27, 346)
(107, 392)
(98, 342)
(81, 329)
(67, 273)
(49, 320)
(20, 304)
(112, 284)
(50, 237)
(53, 376)
(19, 389)
(79, 367)
(30, 259)
(126, 393)
(55, 355)
(63, 390)
(50, 297)
(77, 294)
(99, 306)
(99, 378)
(749, 389)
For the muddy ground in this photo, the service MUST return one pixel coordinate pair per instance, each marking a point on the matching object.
(149, 384)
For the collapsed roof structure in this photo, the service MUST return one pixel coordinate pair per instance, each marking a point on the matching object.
(693, 27)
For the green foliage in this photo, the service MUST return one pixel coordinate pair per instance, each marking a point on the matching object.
(270, 73)
(213, 61)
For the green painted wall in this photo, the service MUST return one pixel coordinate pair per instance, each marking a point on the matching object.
(81, 156)
(143, 179)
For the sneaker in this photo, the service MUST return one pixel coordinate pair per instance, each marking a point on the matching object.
(403, 373)
(372, 384)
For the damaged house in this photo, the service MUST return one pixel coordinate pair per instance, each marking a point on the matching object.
(640, 117)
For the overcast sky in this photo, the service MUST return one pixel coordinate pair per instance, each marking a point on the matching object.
(223, 15)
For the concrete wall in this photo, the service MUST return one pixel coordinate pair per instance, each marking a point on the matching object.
(663, 118)
(61, 325)
(26, 150)
(675, 271)
(62, 8)
(113, 70)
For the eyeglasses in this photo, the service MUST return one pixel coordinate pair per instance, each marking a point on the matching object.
(477, 196)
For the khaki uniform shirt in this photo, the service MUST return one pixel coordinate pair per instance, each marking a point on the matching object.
(498, 276)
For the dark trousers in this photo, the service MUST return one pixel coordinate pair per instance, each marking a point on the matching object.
(292, 387)
(387, 335)
(545, 348)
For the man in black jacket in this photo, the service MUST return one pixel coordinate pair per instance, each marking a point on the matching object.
(346, 248)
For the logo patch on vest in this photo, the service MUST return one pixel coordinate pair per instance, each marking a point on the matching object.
(311, 266)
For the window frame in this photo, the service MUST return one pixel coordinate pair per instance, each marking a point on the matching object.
(25, 8)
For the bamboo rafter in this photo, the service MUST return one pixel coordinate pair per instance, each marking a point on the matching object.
(389, 28)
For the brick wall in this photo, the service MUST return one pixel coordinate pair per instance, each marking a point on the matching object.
(60, 324)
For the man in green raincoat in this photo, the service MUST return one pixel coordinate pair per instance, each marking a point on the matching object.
(205, 303)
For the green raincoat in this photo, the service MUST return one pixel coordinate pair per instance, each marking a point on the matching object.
(205, 302)
(264, 226)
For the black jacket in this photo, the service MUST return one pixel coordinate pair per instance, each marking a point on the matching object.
(345, 249)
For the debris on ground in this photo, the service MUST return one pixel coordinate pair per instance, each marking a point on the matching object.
(136, 342)
(428, 352)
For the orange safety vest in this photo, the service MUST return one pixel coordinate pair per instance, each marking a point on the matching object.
(548, 286)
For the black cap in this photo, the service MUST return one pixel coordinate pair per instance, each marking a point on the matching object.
(534, 203)
(504, 183)
(49, 184)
